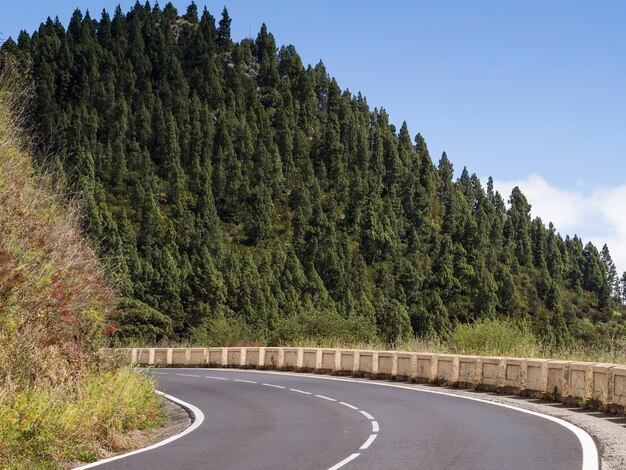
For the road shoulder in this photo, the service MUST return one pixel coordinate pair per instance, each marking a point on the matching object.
(178, 420)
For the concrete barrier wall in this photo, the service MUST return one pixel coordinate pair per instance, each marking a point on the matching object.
(601, 386)
(387, 364)
(557, 385)
(347, 360)
(514, 373)
(330, 360)
(469, 373)
(536, 376)
(309, 358)
(619, 386)
(580, 379)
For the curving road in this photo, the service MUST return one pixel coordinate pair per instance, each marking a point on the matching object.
(264, 420)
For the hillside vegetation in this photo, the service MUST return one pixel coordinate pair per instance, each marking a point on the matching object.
(243, 197)
(58, 403)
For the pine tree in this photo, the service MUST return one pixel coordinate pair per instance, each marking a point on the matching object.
(261, 214)
(517, 227)
(223, 32)
(554, 259)
(610, 272)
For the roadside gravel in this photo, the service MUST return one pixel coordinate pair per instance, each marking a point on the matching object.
(177, 421)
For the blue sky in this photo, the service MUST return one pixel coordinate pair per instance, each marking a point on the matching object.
(532, 93)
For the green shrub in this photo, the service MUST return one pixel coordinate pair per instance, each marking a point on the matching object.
(321, 328)
(224, 330)
(49, 427)
(493, 337)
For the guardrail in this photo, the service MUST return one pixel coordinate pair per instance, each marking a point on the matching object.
(595, 385)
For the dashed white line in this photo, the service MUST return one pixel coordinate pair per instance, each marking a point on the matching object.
(350, 458)
(274, 386)
(348, 405)
(369, 441)
(344, 461)
(590, 450)
(325, 398)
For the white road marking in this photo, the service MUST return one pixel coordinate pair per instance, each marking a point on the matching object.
(198, 421)
(369, 441)
(198, 418)
(325, 398)
(344, 461)
(275, 386)
(348, 405)
(590, 451)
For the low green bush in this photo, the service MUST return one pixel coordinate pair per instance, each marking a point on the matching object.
(494, 338)
(49, 428)
(224, 330)
(321, 328)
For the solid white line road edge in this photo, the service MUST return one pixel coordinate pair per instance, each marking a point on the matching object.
(344, 461)
(591, 460)
(198, 418)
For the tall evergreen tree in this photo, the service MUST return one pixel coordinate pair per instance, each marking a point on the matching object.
(223, 32)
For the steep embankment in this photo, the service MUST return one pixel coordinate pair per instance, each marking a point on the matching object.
(57, 402)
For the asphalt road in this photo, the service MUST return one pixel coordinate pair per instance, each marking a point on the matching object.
(257, 420)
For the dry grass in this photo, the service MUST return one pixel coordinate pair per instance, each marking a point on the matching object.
(482, 338)
(53, 295)
(56, 402)
(490, 338)
(57, 427)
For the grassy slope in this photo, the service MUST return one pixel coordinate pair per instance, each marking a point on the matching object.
(58, 403)
(489, 337)
(486, 337)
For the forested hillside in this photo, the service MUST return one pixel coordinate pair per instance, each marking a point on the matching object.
(232, 188)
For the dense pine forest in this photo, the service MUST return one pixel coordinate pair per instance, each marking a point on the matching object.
(237, 194)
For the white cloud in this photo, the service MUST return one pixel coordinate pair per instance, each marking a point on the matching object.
(599, 216)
